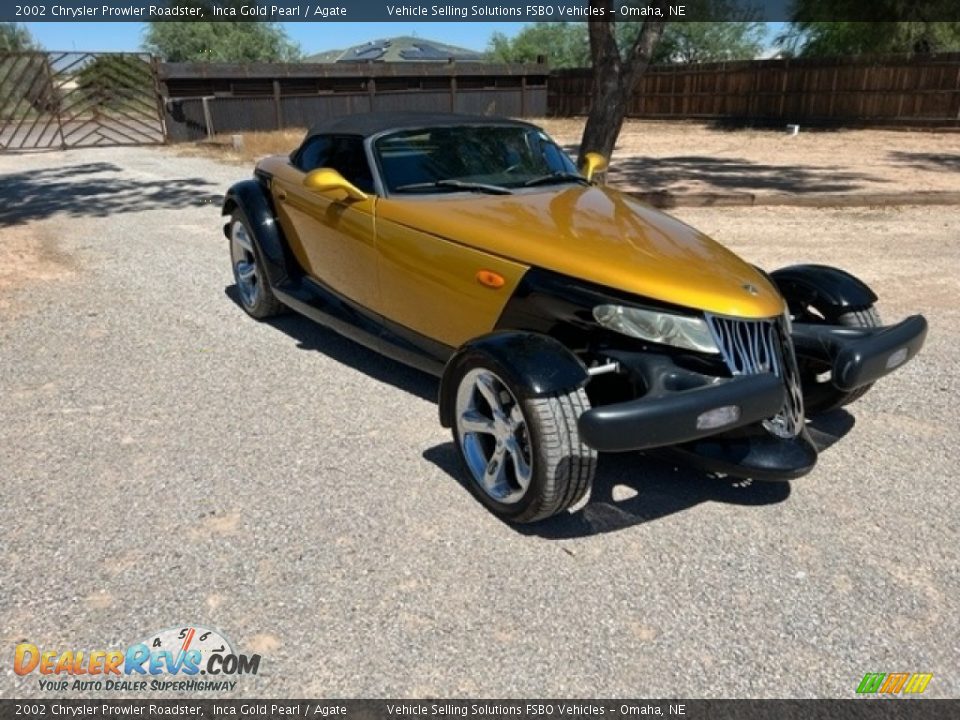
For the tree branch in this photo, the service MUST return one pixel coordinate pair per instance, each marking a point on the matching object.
(644, 44)
(603, 43)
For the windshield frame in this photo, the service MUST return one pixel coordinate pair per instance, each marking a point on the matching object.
(373, 154)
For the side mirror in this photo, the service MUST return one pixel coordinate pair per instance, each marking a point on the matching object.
(593, 163)
(327, 179)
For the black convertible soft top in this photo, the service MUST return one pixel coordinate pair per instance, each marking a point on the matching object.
(368, 124)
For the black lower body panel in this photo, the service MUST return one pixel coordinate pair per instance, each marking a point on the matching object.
(311, 298)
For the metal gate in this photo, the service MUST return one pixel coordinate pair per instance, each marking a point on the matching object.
(78, 99)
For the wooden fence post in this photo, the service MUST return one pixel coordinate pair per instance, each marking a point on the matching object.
(276, 104)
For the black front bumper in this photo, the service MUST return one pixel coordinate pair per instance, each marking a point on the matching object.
(671, 417)
(860, 356)
(668, 415)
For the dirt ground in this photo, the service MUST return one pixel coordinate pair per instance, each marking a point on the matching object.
(28, 255)
(683, 157)
(691, 157)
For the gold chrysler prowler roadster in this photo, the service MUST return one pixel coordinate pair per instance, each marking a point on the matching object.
(563, 318)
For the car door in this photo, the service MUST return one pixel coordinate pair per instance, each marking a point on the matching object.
(332, 236)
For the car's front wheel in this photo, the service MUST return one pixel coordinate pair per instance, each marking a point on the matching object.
(524, 456)
(253, 288)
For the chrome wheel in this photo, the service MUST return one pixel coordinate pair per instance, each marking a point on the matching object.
(493, 436)
(245, 270)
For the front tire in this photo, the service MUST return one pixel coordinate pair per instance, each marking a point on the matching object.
(256, 296)
(524, 457)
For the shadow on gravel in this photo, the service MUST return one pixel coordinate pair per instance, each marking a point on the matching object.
(830, 428)
(946, 162)
(734, 175)
(315, 337)
(94, 190)
(634, 488)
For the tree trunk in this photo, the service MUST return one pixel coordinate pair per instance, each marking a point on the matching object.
(607, 110)
(614, 76)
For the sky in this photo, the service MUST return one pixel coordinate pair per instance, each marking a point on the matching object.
(313, 37)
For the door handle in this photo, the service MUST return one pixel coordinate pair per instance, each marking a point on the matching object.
(281, 194)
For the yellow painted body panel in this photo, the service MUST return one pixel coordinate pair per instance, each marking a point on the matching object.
(415, 259)
(332, 237)
(430, 284)
(598, 235)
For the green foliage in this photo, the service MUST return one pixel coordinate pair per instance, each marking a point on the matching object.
(823, 39)
(727, 30)
(15, 38)
(729, 33)
(24, 87)
(117, 81)
(565, 45)
(220, 42)
(699, 42)
(884, 26)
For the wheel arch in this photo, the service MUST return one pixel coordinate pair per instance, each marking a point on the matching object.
(811, 283)
(534, 364)
(253, 200)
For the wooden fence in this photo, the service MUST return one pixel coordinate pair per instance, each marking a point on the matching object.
(206, 98)
(887, 90)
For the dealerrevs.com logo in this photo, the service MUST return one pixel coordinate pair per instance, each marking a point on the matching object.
(184, 659)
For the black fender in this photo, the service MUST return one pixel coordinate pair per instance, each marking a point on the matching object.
(534, 365)
(834, 288)
(255, 203)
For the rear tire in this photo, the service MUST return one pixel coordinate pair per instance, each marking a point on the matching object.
(523, 457)
(253, 287)
(820, 395)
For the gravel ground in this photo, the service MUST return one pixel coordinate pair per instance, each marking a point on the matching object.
(166, 460)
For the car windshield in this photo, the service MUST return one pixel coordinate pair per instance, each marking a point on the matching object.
(490, 159)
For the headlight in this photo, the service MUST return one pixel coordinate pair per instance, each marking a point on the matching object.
(683, 332)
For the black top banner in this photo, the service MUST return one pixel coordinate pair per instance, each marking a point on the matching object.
(478, 10)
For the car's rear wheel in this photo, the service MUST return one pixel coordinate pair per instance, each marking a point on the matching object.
(256, 297)
(524, 457)
(819, 393)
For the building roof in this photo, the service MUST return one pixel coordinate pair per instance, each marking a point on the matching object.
(398, 49)
(367, 124)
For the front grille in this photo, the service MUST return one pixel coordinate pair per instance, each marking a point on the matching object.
(751, 347)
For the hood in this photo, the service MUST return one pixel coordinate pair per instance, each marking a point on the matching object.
(599, 235)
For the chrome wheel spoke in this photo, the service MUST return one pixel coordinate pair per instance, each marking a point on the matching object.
(246, 271)
(244, 264)
(493, 476)
(520, 466)
(486, 387)
(474, 421)
(241, 238)
(490, 428)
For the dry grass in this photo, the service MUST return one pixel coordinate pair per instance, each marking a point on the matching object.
(255, 145)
